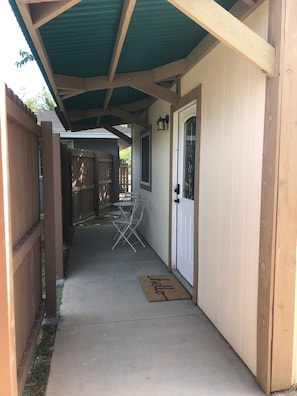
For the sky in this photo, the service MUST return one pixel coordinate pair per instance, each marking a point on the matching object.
(28, 79)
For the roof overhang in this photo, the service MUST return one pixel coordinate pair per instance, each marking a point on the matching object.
(107, 62)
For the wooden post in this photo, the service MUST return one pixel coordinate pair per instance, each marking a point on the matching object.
(8, 369)
(52, 214)
(278, 234)
(66, 194)
(58, 205)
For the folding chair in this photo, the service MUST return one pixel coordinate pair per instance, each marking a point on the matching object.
(126, 227)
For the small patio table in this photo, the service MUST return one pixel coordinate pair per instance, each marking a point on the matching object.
(122, 205)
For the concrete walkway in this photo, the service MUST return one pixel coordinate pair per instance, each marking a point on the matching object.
(112, 342)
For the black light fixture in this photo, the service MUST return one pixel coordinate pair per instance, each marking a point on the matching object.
(162, 123)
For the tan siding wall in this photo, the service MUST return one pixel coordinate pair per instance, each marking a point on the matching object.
(233, 95)
(156, 219)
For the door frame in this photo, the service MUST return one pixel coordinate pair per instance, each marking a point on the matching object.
(185, 101)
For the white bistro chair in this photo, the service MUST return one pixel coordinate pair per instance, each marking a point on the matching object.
(126, 227)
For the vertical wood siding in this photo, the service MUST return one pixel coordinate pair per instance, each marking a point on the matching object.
(233, 95)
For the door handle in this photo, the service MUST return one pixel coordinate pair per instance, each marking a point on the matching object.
(177, 189)
(176, 200)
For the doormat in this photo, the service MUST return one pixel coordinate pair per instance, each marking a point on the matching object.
(164, 287)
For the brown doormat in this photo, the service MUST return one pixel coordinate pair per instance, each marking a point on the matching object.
(163, 287)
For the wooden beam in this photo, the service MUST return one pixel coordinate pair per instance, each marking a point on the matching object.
(39, 46)
(81, 84)
(129, 117)
(286, 235)
(278, 232)
(241, 11)
(250, 3)
(107, 98)
(229, 30)
(105, 104)
(168, 71)
(126, 16)
(157, 91)
(138, 105)
(76, 115)
(41, 13)
(116, 132)
(40, 1)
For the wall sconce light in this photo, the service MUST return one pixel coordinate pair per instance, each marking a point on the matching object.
(162, 123)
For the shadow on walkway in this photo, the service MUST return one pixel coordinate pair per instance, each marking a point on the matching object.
(111, 341)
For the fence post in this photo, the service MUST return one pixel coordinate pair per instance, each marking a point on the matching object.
(52, 214)
(58, 205)
(8, 382)
(66, 194)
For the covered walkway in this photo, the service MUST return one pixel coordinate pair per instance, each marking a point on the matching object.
(112, 342)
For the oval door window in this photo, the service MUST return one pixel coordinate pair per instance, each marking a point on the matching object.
(189, 158)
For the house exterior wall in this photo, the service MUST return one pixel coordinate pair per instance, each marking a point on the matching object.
(155, 225)
(232, 123)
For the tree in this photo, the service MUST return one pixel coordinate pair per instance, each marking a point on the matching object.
(125, 156)
(43, 101)
(26, 57)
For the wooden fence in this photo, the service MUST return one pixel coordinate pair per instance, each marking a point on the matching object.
(105, 179)
(93, 182)
(22, 304)
(83, 184)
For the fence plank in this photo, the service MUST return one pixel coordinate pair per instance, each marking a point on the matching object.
(21, 250)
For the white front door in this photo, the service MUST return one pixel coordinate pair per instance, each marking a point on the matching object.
(185, 192)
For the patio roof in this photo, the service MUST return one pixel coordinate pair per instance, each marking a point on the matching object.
(107, 61)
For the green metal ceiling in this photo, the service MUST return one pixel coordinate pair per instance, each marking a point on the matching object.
(80, 41)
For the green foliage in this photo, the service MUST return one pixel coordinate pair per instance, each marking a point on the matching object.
(26, 57)
(43, 101)
(39, 369)
(125, 156)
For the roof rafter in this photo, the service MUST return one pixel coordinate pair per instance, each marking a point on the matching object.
(39, 1)
(229, 30)
(157, 91)
(78, 115)
(241, 11)
(38, 43)
(43, 12)
(125, 20)
(117, 133)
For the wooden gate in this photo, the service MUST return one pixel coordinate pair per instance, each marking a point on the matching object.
(83, 184)
(105, 179)
(93, 182)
